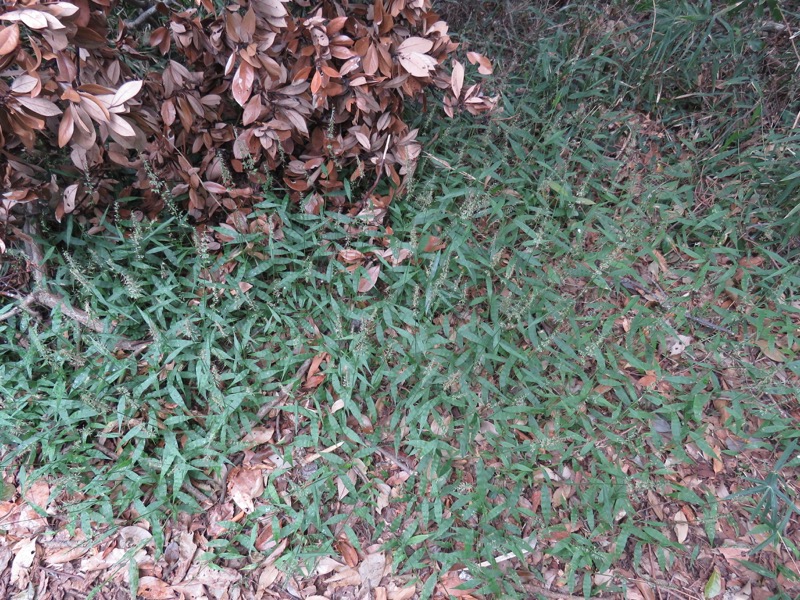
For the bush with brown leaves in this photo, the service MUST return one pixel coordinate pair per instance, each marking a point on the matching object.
(217, 102)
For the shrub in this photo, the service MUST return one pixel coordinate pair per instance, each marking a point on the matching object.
(218, 101)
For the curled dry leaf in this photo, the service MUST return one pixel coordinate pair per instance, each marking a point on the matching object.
(348, 553)
(484, 64)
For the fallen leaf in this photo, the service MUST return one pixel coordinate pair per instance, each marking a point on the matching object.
(244, 485)
(9, 38)
(681, 527)
(348, 553)
(152, 588)
(452, 581)
(713, 586)
(405, 593)
(770, 352)
(24, 552)
(484, 64)
(371, 568)
(648, 380)
(365, 284)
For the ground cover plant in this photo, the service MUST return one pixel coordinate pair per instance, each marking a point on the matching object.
(564, 364)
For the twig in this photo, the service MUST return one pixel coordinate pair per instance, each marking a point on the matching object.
(201, 498)
(466, 575)
(102, 449)
(41, 296)
(134, 23)
(393, 458)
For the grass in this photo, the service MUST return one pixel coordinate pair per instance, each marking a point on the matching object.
(533, 394)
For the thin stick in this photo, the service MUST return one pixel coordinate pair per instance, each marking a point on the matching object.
(134, 23)
(393, 458)
(41, 296)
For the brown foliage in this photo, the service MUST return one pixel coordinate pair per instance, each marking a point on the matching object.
(217, 102)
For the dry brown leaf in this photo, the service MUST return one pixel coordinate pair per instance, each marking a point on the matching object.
(328, 565)
(9, 38)
(646, 590)
(315, 377)
(39, 106)
(258, 436)
(648, 380)
(348, 553)
(681, 527)
(203, 579)
(244, 485)
(372, 567)
(451, 581)
(457, 78)
(405, 593)
(268, 576)
(772, 353)
(125, 93)
(152, 588)
(365, 284)
(411, 55)
(242, 85)
(24, 553)
(484, 64)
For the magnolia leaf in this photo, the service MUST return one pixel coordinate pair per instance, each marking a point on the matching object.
(25, 84)
(9, 38)
(242, 85)
(126, 92)
(120, 126)
(32, 18)
(457, 78)
(70, 193)
(65, 129)
(40, 106)
(415, 44)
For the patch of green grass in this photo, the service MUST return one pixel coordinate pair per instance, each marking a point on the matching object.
(506, 366)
